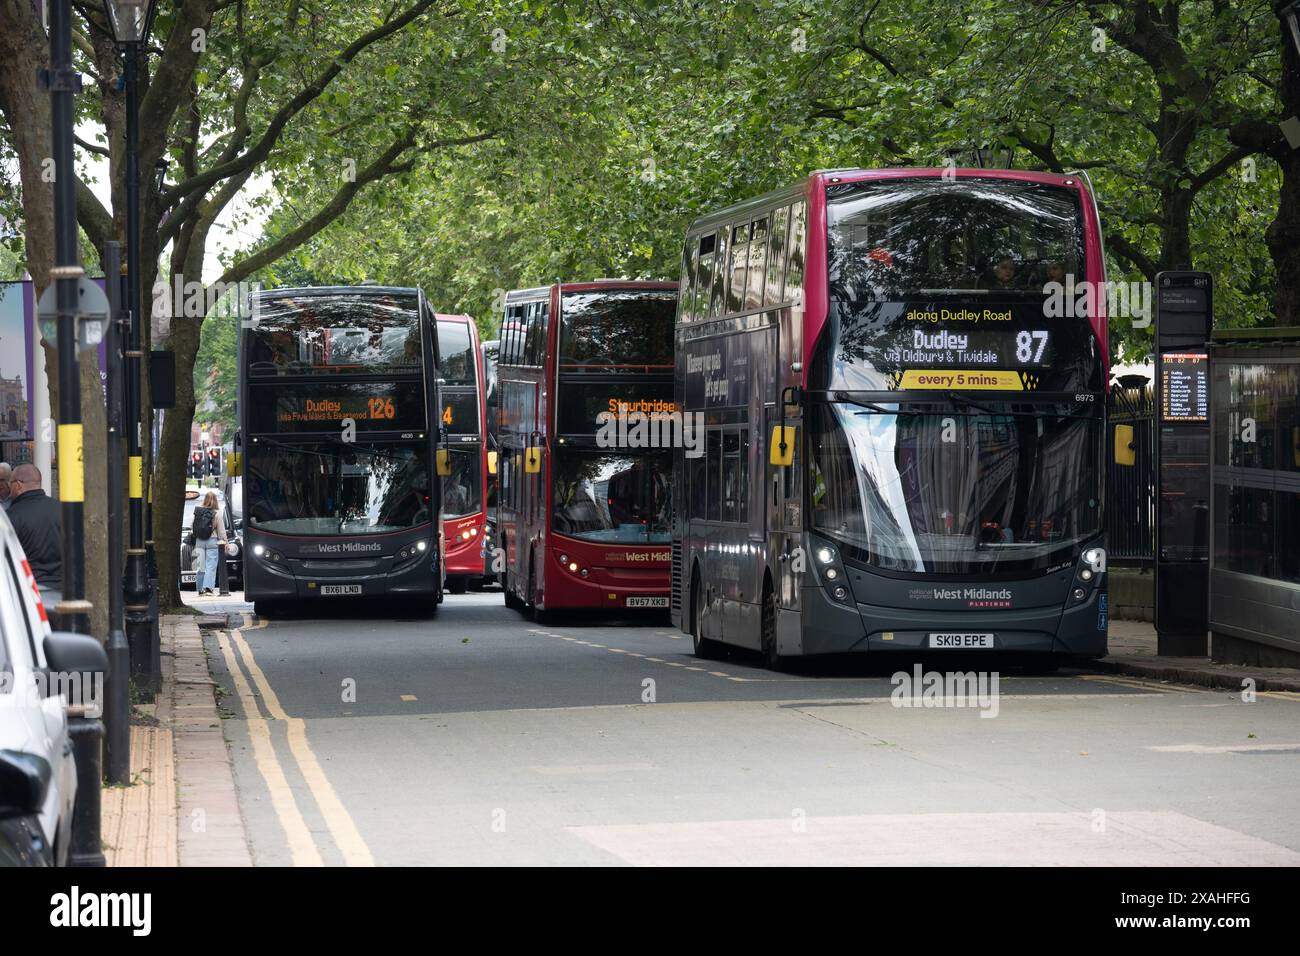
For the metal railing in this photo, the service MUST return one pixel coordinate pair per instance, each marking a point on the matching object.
(1130, 490)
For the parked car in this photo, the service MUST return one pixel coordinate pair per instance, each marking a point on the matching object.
(38, 774)
(234, 520)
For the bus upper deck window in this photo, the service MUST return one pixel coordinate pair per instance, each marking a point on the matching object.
(757, 262)
(776, 257)
(703, 278)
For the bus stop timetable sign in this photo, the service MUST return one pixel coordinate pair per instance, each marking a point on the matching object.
(1184, 317)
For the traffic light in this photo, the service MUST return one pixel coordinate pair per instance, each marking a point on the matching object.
(196, 465)
(214, 461)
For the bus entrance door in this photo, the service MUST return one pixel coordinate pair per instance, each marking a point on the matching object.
(785, 531)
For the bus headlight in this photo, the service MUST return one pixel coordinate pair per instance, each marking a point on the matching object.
(413, 549)
(564, 559)
(259, 550)
(1092, 565)
(831, 572)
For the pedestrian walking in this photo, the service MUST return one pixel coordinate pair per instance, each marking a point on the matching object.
(6, 492)
(38, 522)
(209, 542)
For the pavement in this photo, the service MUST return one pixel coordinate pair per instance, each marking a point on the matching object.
(1133, 651)
(366, 735)
(180, 807)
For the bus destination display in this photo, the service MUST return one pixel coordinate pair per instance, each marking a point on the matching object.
(327, 407)
(1184, 387)
(460, 413)
(980, 338)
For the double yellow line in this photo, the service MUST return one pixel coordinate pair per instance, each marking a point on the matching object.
(302, 846)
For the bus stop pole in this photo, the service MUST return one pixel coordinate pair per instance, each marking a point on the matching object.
(117, 736)
(64, 82)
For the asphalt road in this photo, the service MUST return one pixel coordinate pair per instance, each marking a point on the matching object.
(479, 737)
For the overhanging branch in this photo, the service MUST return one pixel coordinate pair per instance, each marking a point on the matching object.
(385, 164)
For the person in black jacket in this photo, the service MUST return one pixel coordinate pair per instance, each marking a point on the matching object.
(37, 519)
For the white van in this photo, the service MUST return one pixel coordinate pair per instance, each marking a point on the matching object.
(38, 774)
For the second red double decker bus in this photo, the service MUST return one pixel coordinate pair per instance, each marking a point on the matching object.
(462, 464)
(583, 522)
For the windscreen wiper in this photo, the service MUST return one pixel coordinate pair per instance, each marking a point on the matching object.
(848, 399)
(958, 399)
(372, 450)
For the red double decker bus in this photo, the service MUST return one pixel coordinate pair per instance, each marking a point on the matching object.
(462, 465)
(582, 521)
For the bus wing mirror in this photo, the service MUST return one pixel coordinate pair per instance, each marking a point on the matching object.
(444, 463)
(234, 462)
(533, 460)
(781, 451)
(492, 463)
(1125, 451)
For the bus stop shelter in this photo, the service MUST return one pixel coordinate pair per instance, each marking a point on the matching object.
(1254, 596)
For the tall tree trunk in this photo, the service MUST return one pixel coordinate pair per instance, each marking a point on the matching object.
(1176, 231)
(24, 49)
(169, 471)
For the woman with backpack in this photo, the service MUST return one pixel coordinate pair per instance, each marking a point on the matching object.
(209, 542)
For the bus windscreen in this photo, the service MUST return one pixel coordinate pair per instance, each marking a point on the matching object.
(458, 362)
(989, 492)
(624, 331)
(339, 332)
(462, 490)
(336, 488)
(971, 287)
(613, 498)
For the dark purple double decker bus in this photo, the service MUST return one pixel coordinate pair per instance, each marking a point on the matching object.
(338, 387)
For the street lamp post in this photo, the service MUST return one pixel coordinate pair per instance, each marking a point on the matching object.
(130, 21)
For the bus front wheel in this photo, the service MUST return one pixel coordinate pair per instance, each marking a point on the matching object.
(540, 615)
(704, 648)
(512, 601)
(771, 658)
